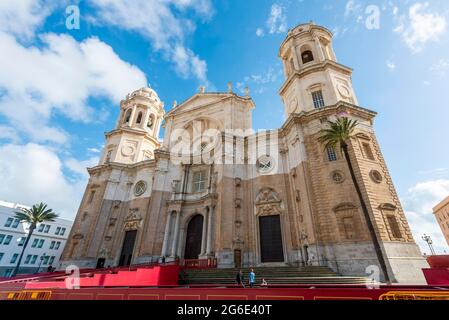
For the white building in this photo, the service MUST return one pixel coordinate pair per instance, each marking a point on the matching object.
(45, 246)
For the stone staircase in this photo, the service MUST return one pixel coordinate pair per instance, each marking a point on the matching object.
(273, 275)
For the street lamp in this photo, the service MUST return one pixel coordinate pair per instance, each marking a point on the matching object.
(40, 263)
(429, 241)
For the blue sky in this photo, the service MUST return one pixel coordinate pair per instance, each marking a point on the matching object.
(60, 88)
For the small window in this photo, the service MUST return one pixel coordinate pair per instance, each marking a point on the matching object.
(14, 258)
(1, 256)
(128, 115)
(139, 118)
(307, 56)
(52, 259)
(62, 232)
(367, 150)
(318, 100)
(57, 245)
(9, 222)
(199, 181)
(41, 243)
(265, 164)
(57, 230)
(34, 244)
(394, 226)
(28, 259)
(33, 259)
(52, 244)
(331, 154)
(41, 228)
(16, 223)
(47, 228)
(22, 241)
(8, 272)
(2, 237)
(140, 188)
(7, 240)
(46, 259)
(91, 197)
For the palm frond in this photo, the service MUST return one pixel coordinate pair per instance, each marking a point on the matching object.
(338, 133)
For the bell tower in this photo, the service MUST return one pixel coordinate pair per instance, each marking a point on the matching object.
(135, 136)
(314, 78)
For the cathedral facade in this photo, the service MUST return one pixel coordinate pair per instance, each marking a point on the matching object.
(214, 188)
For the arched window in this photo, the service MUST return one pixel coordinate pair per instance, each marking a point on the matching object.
(139, 118)
(150, 122)
(307, 56)
(128, 116)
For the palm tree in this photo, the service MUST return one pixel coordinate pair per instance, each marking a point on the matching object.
(37, 214)
(339, 134)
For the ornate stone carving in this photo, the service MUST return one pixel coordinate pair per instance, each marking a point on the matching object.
(238, 182)
(175, 186)
(132, 221)
(268, 202)
(238, 203)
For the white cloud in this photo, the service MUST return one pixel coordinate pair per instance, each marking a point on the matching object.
(440, 67)
(391, 65)
(420, 27)
(260, 32)
(79, 167)
(33, 173)
(277, 22)
(60, 76)
(22, 17)
(418, 204)
(164, 27)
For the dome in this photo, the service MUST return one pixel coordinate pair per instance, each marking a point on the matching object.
(146, 92)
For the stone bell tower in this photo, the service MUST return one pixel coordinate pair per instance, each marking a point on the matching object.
(135, 136)
(314, 78)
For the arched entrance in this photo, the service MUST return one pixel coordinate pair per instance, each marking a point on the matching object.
(193, 238)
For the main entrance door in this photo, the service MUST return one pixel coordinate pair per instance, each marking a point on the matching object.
(193, 238)
(271, 249)
(127, 248)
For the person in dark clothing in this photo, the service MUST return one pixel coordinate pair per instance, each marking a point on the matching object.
(240, 279)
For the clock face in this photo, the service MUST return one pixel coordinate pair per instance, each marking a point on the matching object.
(128, 150)
(293, 105)
(343, 90)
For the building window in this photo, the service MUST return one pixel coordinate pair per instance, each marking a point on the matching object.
(128, 116)
(140, 188)
(367, 150)
(15, 224)
(338, 177)
(331, 154)
(52, 244)
(47, 228)
(52, 259)
(318, 100)
(46, 260)
(1, 256)
(33, 259)
(91, 197)
(139, 118)
(7, 240)
(41, 243)
(307, 56)
(394, 227)
(265, 164)
(57, 230)
(22, 241)
(199, 181)
(57, 245)
(14, 258)
(376, 176)
(2, 237)
(28, 258)
(34, 244)
(62, 231)
(41, 228)
(9, 222)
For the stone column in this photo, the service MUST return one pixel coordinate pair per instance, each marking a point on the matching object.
(175, 235)
(166, 236)
(133, 115)
(143, 125)
(204, 235)
(209, 232)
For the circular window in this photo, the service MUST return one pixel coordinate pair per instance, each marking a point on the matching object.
(338, 177)
(140, 188)
(265, 164)
(376, 176)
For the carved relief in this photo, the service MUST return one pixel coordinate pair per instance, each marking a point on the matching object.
(268, 202)
(132, 221)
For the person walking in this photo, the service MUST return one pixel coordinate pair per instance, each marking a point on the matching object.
(252, 278)
(240, 278)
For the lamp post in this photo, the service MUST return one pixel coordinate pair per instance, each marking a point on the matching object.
(429, 241)
(40, 263)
